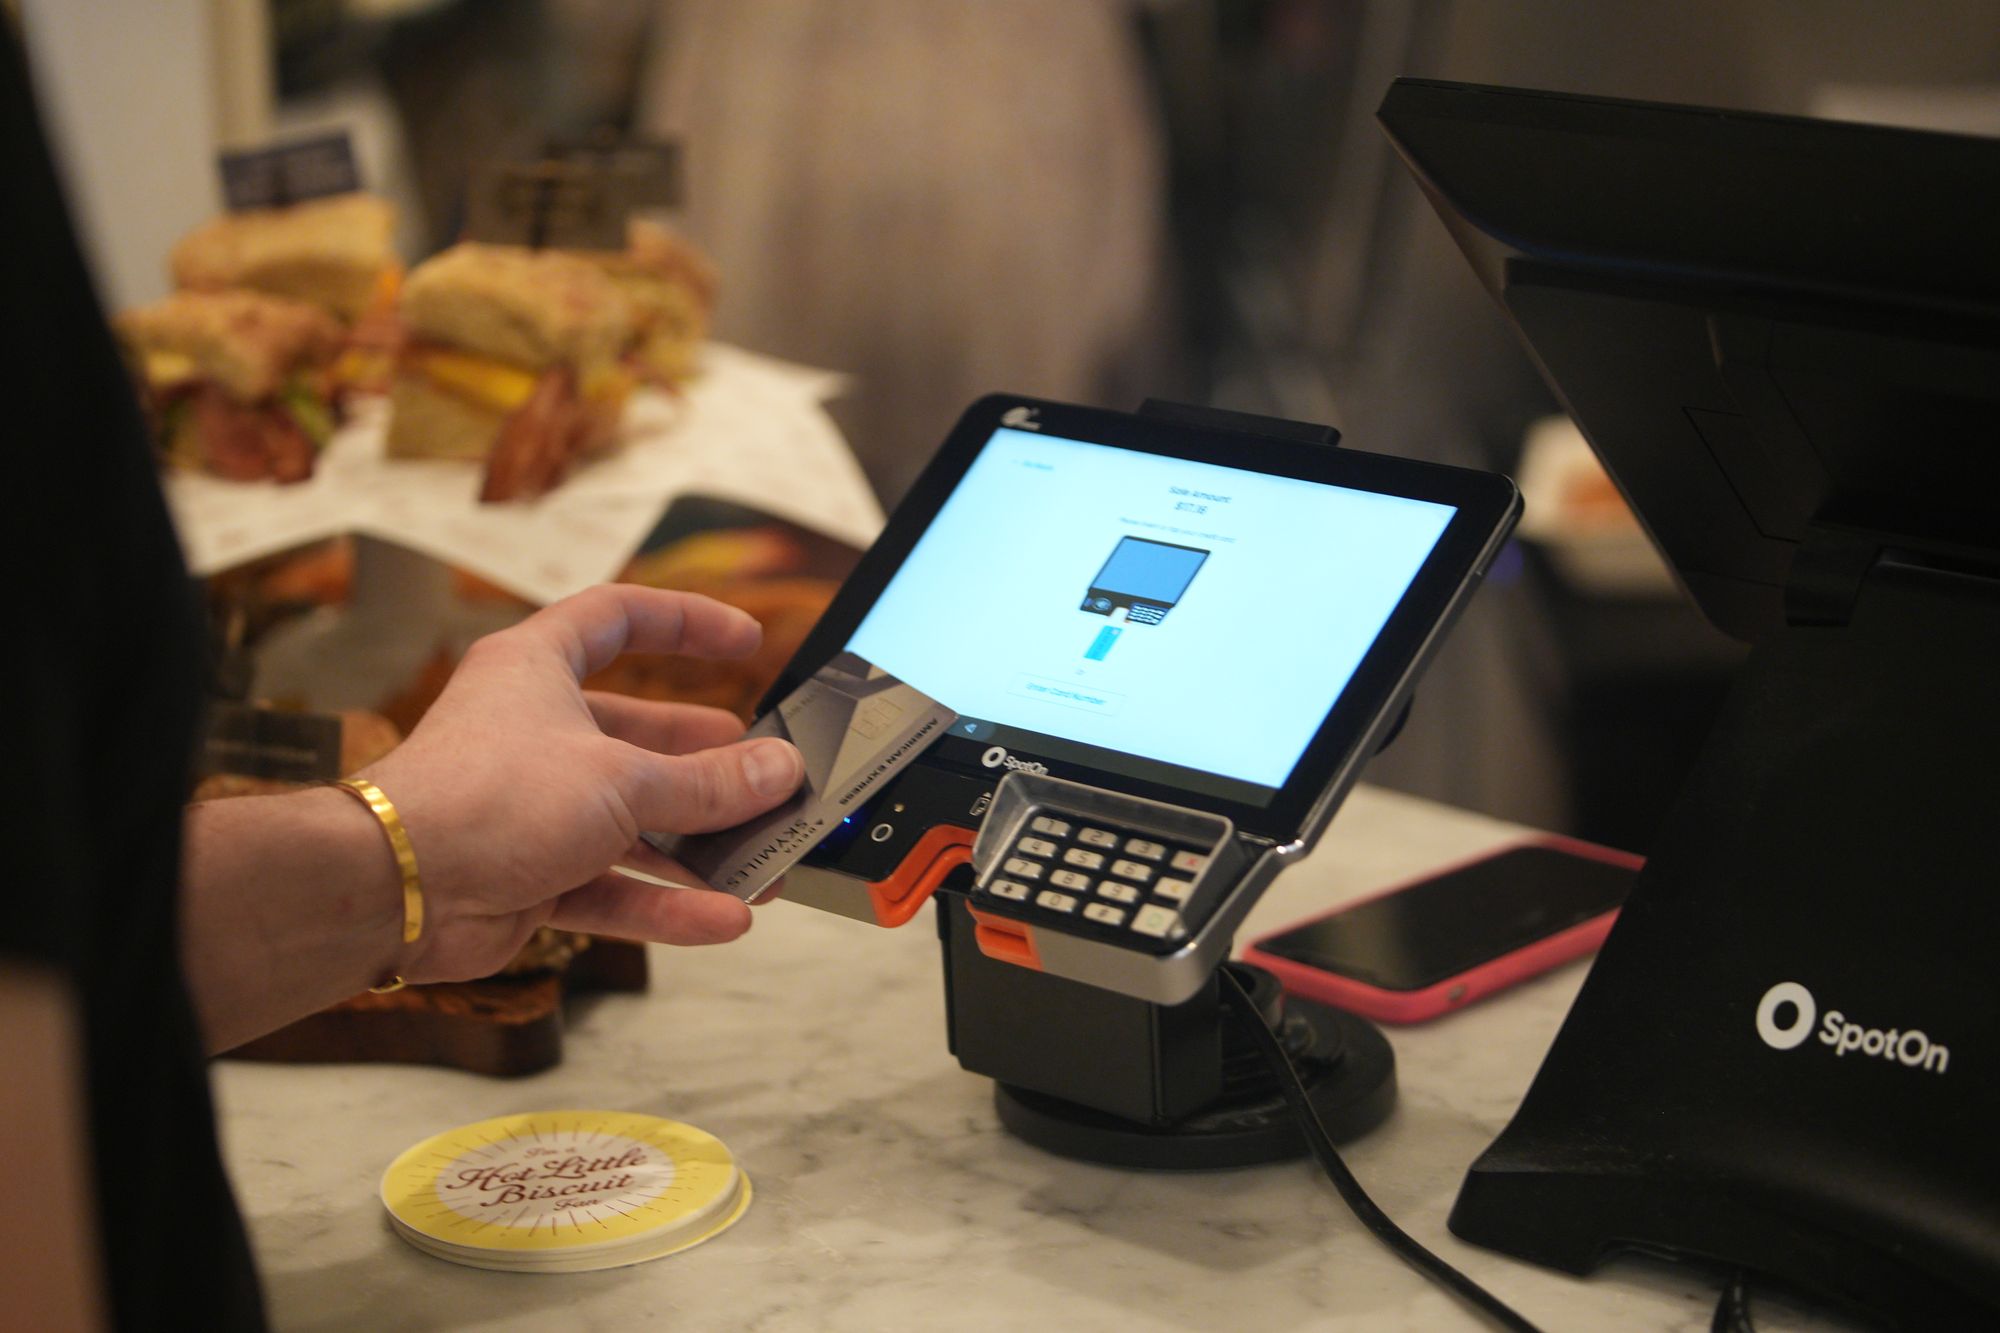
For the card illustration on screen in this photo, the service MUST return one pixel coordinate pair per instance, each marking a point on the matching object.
(1144, 578)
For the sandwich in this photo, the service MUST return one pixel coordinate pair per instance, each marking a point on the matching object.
(235, 383)
(512, 359)
(336, 253)
(670, 286)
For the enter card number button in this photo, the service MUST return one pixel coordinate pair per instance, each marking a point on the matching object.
(1067, 694)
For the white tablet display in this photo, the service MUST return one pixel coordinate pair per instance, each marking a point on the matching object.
(1183, 612)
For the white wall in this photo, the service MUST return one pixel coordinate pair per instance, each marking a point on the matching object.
(127, 100)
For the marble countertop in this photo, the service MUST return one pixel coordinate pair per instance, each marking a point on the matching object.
(888, 1196)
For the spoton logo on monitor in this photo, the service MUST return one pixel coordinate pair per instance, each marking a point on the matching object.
(1912, 1048)
(996, 756)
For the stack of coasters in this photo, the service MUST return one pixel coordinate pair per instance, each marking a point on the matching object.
(564, 1191)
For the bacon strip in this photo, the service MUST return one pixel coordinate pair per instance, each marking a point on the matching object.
(245, 443)
(287, 448)
(229, 434)
(538, 441)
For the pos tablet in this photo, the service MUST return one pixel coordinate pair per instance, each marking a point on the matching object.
(1170, 647)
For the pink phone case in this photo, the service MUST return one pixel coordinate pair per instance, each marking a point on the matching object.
(1454, 992)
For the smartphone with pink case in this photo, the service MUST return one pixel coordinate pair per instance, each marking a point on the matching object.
(1430, 945)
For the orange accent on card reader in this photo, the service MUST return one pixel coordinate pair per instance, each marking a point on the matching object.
(1005, 941)
(938, 853)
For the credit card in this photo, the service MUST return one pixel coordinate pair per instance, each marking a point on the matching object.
(856, 726)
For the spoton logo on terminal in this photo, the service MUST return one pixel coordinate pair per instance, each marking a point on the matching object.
(996, 756)
(1911, 1047)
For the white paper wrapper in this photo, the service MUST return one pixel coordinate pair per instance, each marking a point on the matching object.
(749, 430)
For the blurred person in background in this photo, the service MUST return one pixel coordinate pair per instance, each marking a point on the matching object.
(944, 200)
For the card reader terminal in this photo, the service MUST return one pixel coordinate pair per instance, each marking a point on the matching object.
(1112, 798)
(1084, 881)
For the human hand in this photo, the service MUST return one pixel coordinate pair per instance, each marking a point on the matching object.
(520, 789)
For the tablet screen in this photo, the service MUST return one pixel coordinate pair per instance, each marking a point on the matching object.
(1174, 620)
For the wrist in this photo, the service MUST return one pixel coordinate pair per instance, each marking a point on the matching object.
(289, 903)
(361, 891)
(404, 855)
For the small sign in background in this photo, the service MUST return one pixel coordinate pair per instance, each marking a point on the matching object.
(289, 173)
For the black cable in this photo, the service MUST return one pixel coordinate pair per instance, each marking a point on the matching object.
(1732, 1312)
(1356, 1198)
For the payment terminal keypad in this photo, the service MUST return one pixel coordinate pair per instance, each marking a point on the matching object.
(1084, 867)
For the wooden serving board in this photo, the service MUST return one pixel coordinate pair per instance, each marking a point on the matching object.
(501, 1025)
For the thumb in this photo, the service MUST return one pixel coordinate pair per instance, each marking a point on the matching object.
(713, 789)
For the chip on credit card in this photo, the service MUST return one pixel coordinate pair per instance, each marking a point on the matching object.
(856, 726)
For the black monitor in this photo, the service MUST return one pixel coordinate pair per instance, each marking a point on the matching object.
(1782, 337)
(1762, 323)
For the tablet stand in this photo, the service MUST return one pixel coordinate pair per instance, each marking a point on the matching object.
(1091, 1074)
(1829, 872)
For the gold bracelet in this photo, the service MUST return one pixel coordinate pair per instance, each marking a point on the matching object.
(384, 811)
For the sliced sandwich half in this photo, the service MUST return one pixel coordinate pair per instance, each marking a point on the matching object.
(512, 359)
(337, 253)
(236, 383)
(671, 286)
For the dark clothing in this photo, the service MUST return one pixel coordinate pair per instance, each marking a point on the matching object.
(102, 674)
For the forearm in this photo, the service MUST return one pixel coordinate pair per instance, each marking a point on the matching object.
(49, 1265)
(288, 903)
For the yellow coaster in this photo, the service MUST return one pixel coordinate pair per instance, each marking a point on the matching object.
(564, 1191)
